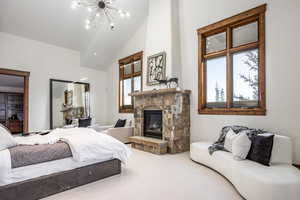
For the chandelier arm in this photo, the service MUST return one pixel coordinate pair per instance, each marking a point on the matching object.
(99, 10)
(108, 17)
(112, 7)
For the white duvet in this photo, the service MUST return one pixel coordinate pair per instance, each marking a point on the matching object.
(86, 144)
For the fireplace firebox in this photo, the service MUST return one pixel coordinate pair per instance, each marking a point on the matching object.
(153, 124)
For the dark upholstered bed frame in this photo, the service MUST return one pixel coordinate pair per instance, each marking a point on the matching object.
(55, 183)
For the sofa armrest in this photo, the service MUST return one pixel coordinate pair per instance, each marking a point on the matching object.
(121, 134)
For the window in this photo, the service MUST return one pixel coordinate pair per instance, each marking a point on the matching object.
(130, 71)
(232, 65)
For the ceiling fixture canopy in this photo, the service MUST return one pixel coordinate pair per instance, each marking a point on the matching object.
(100, 11)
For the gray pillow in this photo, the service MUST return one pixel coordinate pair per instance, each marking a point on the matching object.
(6, 139)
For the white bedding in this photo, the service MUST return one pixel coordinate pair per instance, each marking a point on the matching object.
(86, 144)
(87, 147)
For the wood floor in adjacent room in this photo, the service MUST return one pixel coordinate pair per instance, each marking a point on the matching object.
(151, 177)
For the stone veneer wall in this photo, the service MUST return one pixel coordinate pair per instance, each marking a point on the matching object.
(166, 100)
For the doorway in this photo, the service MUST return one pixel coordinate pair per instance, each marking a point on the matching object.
(14, 100)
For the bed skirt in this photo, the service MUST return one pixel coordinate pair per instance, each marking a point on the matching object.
(55, 183)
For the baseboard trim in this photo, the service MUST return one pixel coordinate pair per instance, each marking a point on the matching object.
(298, 166)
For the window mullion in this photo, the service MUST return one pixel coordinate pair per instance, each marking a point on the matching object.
(229, 69)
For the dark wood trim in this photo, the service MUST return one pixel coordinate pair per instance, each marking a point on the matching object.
(229, 83)
(232, 111)
(250, 16)
(231, 20)
(131, 58)
(26, 104)
(201, 74)
(14, 72)
(26, 76)
(125, 61)
(45, 186)
(244, 47)
(262, 61)
(215, 54)
(51, 96)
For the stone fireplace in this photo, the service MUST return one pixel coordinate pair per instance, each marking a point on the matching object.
(162, 120)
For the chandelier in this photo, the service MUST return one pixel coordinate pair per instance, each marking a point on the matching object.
(100, 11)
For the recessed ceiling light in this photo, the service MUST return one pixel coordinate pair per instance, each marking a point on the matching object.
(95, 53)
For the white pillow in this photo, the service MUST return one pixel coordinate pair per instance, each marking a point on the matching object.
(282, 150)
(230, 137)
(6, 139)
(241, 146)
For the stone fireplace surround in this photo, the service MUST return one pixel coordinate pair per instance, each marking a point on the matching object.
(175, 106)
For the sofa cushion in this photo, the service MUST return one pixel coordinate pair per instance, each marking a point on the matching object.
(261, 149)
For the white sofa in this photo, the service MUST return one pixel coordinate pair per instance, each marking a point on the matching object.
(280, 181)
(121, 134)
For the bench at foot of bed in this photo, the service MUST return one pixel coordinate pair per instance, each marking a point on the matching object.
(55, 183)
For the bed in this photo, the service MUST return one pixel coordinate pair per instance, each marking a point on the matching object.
(44, 165)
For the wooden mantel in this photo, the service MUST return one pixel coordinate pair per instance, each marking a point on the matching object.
(160, 91)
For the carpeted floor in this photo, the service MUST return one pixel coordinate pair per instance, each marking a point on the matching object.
(152, 177)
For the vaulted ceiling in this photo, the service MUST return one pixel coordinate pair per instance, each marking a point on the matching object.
(54, 22)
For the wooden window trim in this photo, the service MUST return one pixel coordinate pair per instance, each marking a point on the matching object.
(226, 25)
(124, 61)
(26, 76)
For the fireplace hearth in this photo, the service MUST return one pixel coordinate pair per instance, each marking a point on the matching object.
(153, 124)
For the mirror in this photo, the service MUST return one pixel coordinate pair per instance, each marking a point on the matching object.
(69, 102)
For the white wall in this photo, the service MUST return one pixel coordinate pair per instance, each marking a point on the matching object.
(158, 37)
(134, 45)
(282, 66)
(163, 35)
(45, 61)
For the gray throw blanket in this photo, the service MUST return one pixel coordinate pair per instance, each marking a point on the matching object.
(219, 144)
(24, 155)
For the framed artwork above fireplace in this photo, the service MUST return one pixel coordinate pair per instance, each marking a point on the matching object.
(156, 69)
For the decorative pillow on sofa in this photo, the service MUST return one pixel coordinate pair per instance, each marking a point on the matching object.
(6, 139)
(230, 137)
(120, 123)
(261, 148)
(241, 146)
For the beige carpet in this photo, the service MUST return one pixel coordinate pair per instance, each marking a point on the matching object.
(152, 177)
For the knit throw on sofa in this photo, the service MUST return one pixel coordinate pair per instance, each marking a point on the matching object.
(219, 144)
